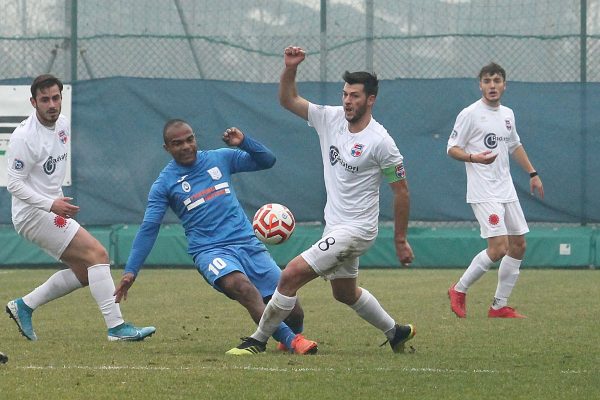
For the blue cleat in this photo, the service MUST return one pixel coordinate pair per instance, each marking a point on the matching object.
(128, 332)
(21, 313)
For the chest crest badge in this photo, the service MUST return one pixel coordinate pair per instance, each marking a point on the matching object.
(215, 173)
(357, 150)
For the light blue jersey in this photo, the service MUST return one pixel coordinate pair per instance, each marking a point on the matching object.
(220, 236)
(204, 199)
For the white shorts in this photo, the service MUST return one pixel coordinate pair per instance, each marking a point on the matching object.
(500, 219)
(49, 231)
(336, 254)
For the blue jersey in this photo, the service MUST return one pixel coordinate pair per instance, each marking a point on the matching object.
(202, 196)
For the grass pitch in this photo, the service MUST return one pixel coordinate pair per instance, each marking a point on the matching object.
(553, 354)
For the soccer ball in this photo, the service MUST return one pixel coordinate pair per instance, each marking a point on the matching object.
(273, 223)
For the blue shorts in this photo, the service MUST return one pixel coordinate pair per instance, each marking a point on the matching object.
(254, 262)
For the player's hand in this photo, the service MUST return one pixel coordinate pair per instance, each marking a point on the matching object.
(486, 157)
(233, 136)
(535, 184)
(292, 56)
(123, 287)
(63, 207)
(404, 253)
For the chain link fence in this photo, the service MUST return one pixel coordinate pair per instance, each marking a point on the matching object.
(239, 40)
(230, 41)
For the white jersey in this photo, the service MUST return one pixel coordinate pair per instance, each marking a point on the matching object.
(37, 165)
(478, 128)
(352, 168)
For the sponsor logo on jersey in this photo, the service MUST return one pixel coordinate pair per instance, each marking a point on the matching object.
(215, 173)
(62, 136)
(491, 140)
(181, 179)
(508, 124)
(357, 150)
(334, 158)
(205, 195)
(50, 164)
(18, 165)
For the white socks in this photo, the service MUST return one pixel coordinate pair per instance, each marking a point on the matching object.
(508, 273)
(58, 285)
(480, 265)
(369, 309)
(102, 287)
(278, 309)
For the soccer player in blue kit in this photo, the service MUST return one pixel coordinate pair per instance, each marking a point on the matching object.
(196, 186)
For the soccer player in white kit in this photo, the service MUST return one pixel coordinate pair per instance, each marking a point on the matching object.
(358, 153)
(37, 163)
(484, 136)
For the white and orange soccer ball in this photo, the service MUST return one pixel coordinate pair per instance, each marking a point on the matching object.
(273, 223)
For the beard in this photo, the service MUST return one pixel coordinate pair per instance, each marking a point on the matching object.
(359, 112)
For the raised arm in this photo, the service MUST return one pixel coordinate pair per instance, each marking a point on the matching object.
(288, 92)
(260, 157)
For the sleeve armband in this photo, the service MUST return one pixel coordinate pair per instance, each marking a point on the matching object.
(394, 173)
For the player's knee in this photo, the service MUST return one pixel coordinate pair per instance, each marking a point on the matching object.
(497, 251)
(344, 297)
(517, 249)
(99, 254)
(236, 286)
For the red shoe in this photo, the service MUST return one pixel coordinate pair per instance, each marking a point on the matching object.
(504, 312)
(282, 347)
(301, 345)
(457, 302)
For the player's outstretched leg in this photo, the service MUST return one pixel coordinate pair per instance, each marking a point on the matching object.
(402, 335)
(21, 314)
(128, 332)
(249, 346)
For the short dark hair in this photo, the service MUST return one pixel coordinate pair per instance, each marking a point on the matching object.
(43, 82)
(367, 79)
(492, 69)
(169, 124)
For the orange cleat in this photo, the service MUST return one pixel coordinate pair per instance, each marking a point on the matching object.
(301, 345)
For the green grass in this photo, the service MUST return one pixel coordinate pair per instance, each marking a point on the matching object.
(554, 354)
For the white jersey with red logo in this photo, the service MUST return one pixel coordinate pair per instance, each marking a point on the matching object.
(478, 128)
(352, 167)
(37, 165)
